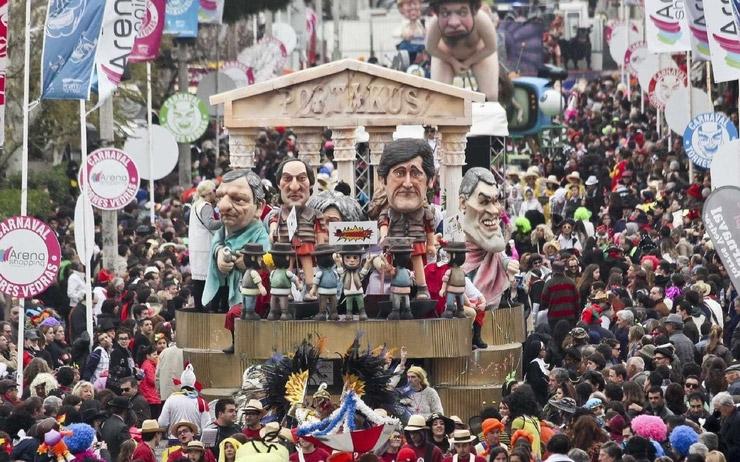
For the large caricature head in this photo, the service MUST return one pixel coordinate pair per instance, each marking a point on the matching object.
(410, 9)
(480, 209)
(455, 18)
(407, 169)
(240, 199)
(709, 137)
(295, 180)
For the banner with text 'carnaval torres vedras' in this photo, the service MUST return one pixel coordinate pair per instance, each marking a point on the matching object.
(3, 63)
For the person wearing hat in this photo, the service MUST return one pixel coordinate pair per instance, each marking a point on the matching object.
(491, 429)
(326, 283)
(560, 296)
(684, 347)
(599, 303)
(281, 279)
(9, 393)
(732, 377)
(224, 424)
(185, 432)
(440, 426)
(567, 238)
(268, 447)
(196, 452)
(114, 429)
(186, 404)
(351, 274)
(151, 435)
(240, 201)
(253, 414)
(416, 432)
(463, 441)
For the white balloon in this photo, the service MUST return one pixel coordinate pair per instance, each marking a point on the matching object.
(285, 33)
(212, 84)
(84, 234)
(677, 108)
(725, 168)
(164, 150)
(552, 103)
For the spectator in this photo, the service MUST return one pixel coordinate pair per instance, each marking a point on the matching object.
(224, 424)
(139, 405)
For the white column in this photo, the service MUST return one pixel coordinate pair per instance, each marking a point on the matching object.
(241, 148)
(345, 154)
(452, 156)
(309, 145)
(379, 137)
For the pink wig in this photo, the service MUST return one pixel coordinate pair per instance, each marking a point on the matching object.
(649, 426)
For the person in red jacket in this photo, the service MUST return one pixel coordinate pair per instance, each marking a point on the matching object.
(148, 386)
(416, 434)
(151, 435)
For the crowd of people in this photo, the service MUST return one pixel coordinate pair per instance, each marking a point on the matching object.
(633, 323)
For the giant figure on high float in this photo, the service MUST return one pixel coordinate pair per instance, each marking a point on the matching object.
(486, 264)
(462, 37)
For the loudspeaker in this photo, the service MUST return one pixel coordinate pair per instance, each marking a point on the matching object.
(478, 152)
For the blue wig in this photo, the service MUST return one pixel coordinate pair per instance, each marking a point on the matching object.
(81, 438)
(682, 437)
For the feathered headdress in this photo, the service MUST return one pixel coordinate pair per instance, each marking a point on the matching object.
(364, 372)
(286, 379)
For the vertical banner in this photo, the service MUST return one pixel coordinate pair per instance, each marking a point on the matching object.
(121, 24)
(211, 12)
(146, 45)
(182, 18)
(71, 37)
(724, 40)
(3, 63)
(698, 27)
(666, 26)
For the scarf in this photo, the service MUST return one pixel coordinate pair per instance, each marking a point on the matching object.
(254, 233)
(486, 270)
(544, 367)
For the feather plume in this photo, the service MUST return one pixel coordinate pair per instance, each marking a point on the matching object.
(364, 373)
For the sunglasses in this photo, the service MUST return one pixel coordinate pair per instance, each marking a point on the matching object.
(692, 385)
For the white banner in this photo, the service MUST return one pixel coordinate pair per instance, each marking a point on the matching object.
(121, 23)
(698, 27)
(211, 12)
(666, 26)
(724, 40)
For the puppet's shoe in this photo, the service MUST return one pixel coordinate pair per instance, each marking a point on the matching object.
(333, 316)
(460, 313)
(251, 316)
(448, 313)
(406, 313)
(320, 316)
(286, 316)
(395, 315)
(478, 342)
(363, 315)
(422, 293)
(229, 350)
(274, 315)
(309, 297)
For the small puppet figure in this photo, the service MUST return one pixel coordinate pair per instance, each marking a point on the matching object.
(326, 283)
(251, 285)
(55, 446)
(280, 282)
(351, 274)
(453, 282)
(413, 32)
(401, 283)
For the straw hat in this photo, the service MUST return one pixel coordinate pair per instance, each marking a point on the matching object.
(195, 445)
(702, 287)
(183, 423)
(416, 422)
(552, 179)
(461, 437)
(599, 296)
(254, 405)
(574, 176)
(513, 171)
(151, 426)
(272, 431)
(532, 172)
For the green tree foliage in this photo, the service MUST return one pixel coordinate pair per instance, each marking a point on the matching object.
(47, 190)
(235, 10)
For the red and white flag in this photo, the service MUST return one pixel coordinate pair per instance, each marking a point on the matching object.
(146, 45)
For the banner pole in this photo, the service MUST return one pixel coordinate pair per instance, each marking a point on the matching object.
(24, 181)
(691, 105)
(709, 81)
(149, 138)
(86, 201)
(627, 25)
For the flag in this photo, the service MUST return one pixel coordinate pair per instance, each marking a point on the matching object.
(121, 21)
(146, 45)
(724, 41)
(182, 18)
(211, 12)
(698, 28)
(666, 27)
(3, 63)
(71, 37)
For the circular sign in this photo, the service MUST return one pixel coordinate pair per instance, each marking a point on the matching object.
(677, 113)
(29, 256)
(239, 73)
(285, 33)
(663, 84)
(212, 84)
(633, 49)
(114, 178)
(705, 134)
(164, 149)
(185, 115)
(647, 64)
